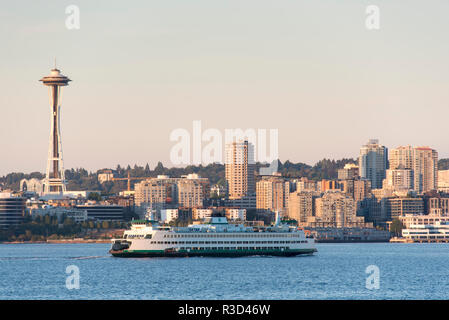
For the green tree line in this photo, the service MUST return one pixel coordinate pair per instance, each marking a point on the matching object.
(81, 179)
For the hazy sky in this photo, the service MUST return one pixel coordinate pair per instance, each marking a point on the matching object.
(141, 69)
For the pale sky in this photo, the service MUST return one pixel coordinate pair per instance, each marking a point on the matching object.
(140, 69)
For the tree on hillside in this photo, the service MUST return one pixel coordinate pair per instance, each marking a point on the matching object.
(396, 227)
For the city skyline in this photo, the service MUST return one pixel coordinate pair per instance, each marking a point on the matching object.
(230, 75)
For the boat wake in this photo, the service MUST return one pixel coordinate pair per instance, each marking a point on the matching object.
(88, 257)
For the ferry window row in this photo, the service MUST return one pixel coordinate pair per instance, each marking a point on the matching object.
(225, 242)
(237, 248)
(243, 235)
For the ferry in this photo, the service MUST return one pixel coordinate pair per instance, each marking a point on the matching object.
(214, 238)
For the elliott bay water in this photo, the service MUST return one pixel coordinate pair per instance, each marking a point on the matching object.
(336, 271)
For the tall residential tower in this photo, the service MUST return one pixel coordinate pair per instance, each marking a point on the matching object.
(425, 167)
(373, 163)
(239, 168)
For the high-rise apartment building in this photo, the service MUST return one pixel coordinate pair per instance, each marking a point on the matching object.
(399, 179)
(423, 161)
(272, 193)
(239, 167)
(425, 169)
(373, 163)
(401, 158)
(357, 189)
(300, 205)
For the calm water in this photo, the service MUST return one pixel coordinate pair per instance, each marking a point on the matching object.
(337, 271)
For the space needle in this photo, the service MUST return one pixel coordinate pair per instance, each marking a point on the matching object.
(54, 182)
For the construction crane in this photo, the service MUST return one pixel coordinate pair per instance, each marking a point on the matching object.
(129, 178)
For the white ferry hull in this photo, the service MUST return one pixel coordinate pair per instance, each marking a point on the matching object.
(216, 239)
(141, 248)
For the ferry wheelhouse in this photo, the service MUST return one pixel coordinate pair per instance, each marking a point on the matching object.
(216, 237)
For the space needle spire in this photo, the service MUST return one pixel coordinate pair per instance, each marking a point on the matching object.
(54, 182)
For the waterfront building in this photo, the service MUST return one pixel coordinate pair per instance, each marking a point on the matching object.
(77, 215)
(438, 232)
(349, 172)
(354, 234)
(422, 219)
(425, 167)
(373, 163)
(400, 206)
(12, 210)
(239, 169)
(103, 212)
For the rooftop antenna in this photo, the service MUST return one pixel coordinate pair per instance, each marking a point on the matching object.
(55, 63)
